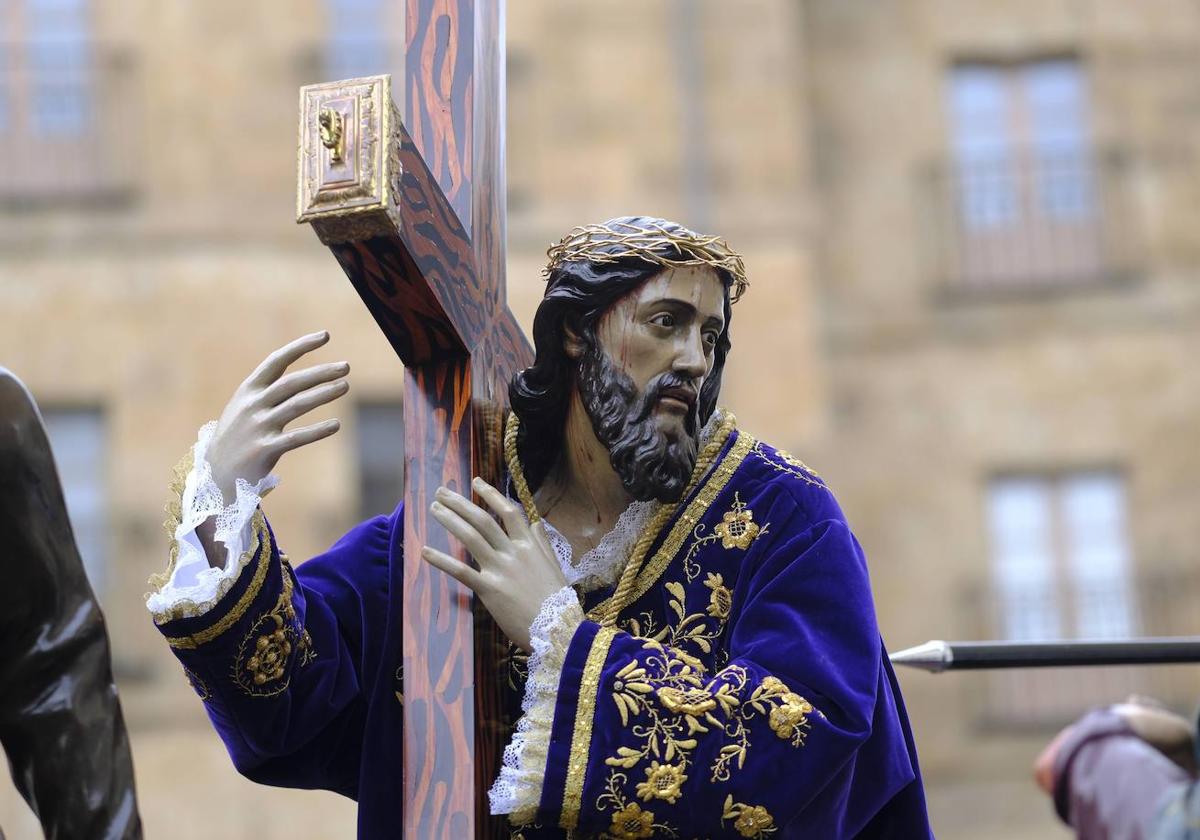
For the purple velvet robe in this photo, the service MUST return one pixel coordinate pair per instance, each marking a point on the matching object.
(745, 691)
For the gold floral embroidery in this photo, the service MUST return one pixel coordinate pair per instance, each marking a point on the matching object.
(789, 719)
(737, 528)
(630, 681)
(692, 629)
(630, 821)
(787, 714)
(752, 821)
(794, 462)
(260, 668)
(271, 653)
(721, 600)
(663, 781)
(784, 462)
(198, 685)
(666, 736)
(693, 702)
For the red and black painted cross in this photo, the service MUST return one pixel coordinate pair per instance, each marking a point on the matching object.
(413, 210)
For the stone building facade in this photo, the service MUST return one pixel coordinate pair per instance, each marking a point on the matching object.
(966, 308)
(1008, 273)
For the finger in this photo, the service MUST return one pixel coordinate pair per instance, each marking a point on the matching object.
(305, 435)
(275, 364)
(543, 539)
(464, 532)
(457, 569)
(510, 514)
(1146, 701)
(305, 402)
(475, 515)
(301, 380)
(1043, 766)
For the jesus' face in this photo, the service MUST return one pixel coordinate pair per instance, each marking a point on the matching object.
(640, 385)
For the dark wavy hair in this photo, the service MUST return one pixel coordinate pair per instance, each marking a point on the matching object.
(577, 295)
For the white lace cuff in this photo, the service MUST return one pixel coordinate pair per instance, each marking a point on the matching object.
(192, 586)
(518, 790)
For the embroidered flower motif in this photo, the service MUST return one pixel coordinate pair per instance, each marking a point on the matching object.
(737, 528)
(663, 781)
(692, 702)
(789, 714)
(629, 685)
(270, 655)
(271, 645)
(632, 823)
(772, 685)
(721, 600)
(754, 821)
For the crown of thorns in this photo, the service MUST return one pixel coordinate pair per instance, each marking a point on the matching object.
(653, 243)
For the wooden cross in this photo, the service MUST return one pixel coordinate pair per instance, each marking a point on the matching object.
(414, 213)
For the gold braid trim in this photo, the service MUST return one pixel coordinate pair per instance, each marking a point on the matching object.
(174, 510)
(260, 547)
(650, 242)
(585, 710)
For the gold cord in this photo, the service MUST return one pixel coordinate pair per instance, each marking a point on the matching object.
(662, 516)
(514, 468)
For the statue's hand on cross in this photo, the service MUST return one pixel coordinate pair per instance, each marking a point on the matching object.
(518, 569)
(250, 439)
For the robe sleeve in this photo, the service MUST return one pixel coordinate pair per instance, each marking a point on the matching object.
(1111, 784)
(280, 660)
(798, 730)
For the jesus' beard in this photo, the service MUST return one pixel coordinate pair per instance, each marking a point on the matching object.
(650, 463)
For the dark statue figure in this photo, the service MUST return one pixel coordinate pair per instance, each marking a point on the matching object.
(60, 720)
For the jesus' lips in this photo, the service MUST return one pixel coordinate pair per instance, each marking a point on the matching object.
(685, 397)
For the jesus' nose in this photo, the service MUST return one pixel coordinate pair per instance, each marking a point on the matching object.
(690, 360)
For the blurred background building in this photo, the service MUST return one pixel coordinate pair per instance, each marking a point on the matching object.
(970, 229)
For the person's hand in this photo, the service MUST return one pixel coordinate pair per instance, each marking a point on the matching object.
(518, 569)
(1043, 766)
(1167, 732)
(249, 439)
(1149, 720)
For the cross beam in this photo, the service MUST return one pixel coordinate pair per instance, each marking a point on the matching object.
(413, 211)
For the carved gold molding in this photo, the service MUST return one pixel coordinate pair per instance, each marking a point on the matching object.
(347, 168)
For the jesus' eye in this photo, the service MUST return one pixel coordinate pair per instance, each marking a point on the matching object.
(710, 338)
(663, 319)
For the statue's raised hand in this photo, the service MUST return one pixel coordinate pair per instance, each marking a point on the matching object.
(250, 437)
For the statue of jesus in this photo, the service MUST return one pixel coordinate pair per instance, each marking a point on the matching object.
(696, 650)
